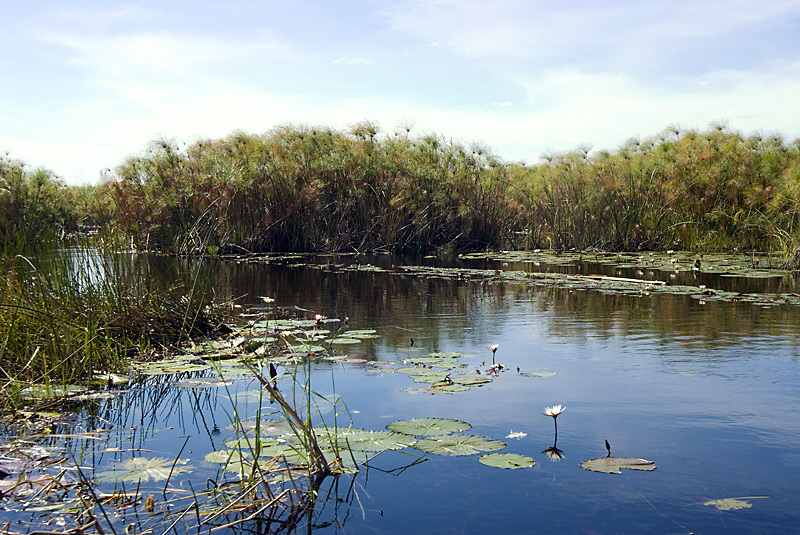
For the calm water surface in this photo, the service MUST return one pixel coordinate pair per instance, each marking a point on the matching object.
(709, 392)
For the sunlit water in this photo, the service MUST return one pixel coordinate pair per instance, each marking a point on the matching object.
(709, 392)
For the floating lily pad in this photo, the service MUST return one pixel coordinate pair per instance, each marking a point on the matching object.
(343, 340)
(433, 361)
(447, 355)
(427, 427)
(537, 374)
(170, 366)
(231, 456)
(202, 382)
(306, 348)
(361, 333)
(51, 391)
(440, 388)
(732, 504)
(506, 460)
(429, 377)
(373, 441)
(612, 465)
(458, 444)
(143, 469)
(252, 443)
(381, 370)
(471, 381)
(266, 427)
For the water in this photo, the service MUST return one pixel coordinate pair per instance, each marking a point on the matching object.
(709, 392)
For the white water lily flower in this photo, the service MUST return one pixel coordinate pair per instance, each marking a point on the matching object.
(518, 434)
(554, 411)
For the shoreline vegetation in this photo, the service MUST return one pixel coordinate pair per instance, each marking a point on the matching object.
(316, 189)
(302, 189)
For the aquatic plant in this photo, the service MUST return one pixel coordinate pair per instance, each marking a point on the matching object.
(67, 316)
(554, 411)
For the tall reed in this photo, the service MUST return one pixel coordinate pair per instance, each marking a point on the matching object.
(79, 311)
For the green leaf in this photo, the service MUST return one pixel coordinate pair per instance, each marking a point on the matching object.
(459, 444)
(145, 469)
(612, 465)
(537, 374)
(732, 504)
(423, 427)
(506, 460)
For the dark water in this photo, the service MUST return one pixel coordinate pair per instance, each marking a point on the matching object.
(709, 392)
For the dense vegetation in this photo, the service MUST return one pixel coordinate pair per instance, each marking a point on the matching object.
(65, 316)
(298, 188)
(309, 189)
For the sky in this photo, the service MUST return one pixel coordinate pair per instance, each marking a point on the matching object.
(86, 84)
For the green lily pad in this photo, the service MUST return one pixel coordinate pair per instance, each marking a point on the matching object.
(459, 444)
(537, 374)
(344, 340)
(732, 504)
(306, 348)
(432, 378)
(145, 469)
(202, 382)
(446, 355)
(231, 456)
(440, 388)
(51, 391)
(170, 367)
(506, 460)
(373, 441)
(266, 427)
(427, 427)
(612, 465)
(471, 381)
(247, 444)
(436, 362)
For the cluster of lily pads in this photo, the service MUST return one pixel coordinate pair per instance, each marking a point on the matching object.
(445, 372)
(281, 342)
(538, 265)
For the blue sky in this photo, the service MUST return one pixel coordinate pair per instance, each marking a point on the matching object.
(86, 84)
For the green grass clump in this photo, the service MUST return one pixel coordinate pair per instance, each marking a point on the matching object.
(77, 313)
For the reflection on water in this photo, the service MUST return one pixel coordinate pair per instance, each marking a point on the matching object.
(710, 392)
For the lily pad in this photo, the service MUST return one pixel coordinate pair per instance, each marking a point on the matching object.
(340, 340)
(372, 441)
(50, 391)
(202, 382)
(506, 460)
(471, 381)
(440, 388)
(427, 427)
(436, 362)
(170, 366)
(537, 374)
(732, 504)
(459, 444)
(266, 427)
(145, 469)
(612, 465)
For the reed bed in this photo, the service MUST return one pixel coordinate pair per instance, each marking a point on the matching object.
(73, 313)
(301, 188)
